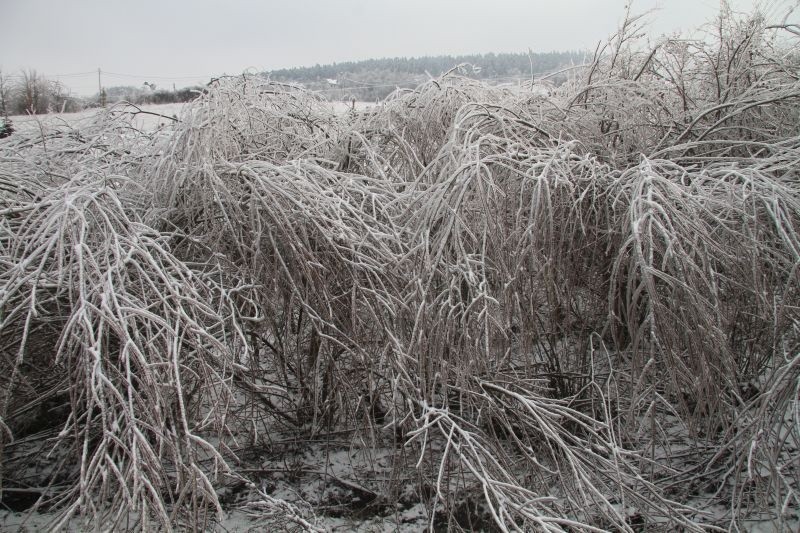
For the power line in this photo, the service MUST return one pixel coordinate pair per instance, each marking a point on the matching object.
(46, 75)
(169, 78)
(74, 74)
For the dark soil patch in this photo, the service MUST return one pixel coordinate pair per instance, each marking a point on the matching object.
(18, 500)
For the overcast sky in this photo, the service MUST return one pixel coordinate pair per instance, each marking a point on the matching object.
(187, 41)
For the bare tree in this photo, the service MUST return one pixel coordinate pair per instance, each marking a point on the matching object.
(4, 94)
(32, 92)
(60, 99)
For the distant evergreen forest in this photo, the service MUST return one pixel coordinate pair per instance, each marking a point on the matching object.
(374, 79)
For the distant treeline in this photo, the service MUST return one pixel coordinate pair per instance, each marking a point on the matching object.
(29, 92)
(150, 94)
(32, 93)
(374, 79)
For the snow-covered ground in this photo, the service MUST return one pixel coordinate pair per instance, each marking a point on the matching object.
(345, 107)
(320, 486)
(149, 118)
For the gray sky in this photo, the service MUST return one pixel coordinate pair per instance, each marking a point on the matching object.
(187, 41)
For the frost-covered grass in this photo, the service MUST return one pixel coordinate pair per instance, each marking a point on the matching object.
(469, 307)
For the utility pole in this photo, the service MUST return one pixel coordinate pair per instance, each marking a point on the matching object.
(100, 94)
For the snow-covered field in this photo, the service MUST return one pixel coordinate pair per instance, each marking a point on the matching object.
(144, 117)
